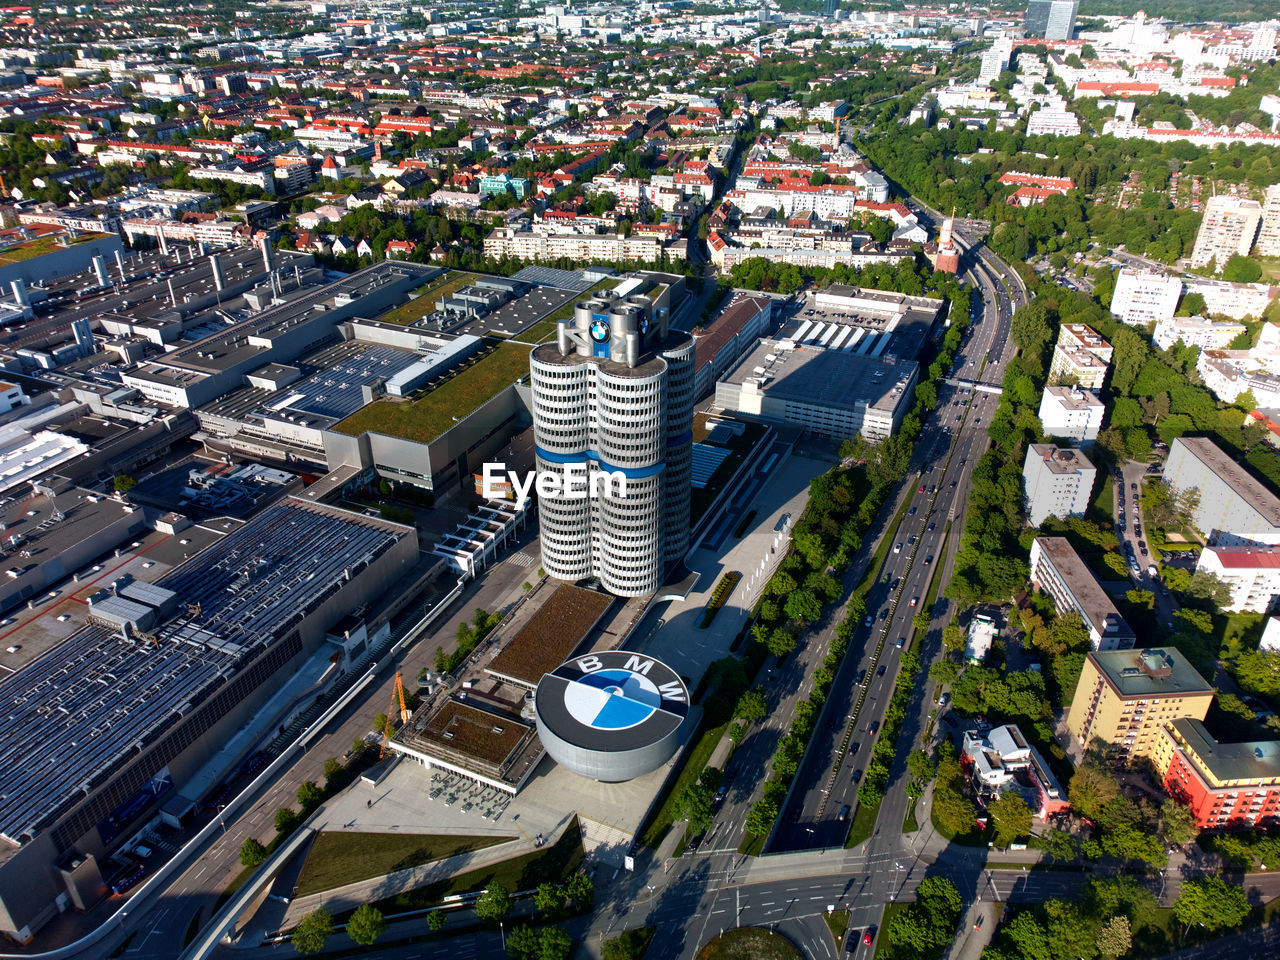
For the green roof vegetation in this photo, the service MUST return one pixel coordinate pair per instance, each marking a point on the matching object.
(40, 246)
(428, 417)
(424, 298)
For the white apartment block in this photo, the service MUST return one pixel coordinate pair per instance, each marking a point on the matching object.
(1080, 356)
(1235, 300)
(995, 60)
(1233, 507)
(1269, 230)
(1196, 332)
(263, 179)
(1252, 573)
(1057, 570)
(1057, 482)
(1071, 414)
(1055, 123)
(541, 245)
(1228, 229)
(1142, 297)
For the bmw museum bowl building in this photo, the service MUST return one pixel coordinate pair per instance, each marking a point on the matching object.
(611, 716)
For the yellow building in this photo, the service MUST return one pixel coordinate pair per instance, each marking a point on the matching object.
(1125, 697)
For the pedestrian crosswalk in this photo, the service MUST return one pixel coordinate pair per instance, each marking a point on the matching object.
(521, 559)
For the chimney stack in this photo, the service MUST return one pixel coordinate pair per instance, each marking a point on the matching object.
(219, 279)
(100, 268)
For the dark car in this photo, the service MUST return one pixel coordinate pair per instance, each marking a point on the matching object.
(911, 512)
(844, 813)
(862, 676)
(880, 670)
(930, 527)
(857, 775)
(852, 939)
(857, 744)
(875, 725)
(928, 560)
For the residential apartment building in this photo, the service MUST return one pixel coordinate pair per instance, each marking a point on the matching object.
(1072, 414)
(1228, 229)
(1252, 573)
(1053, 122)
(1226, 784)
(1056, 569)
(1268, 244)
(1141, 297)
(1057, 482)
(1125, 697)
(1235, 300)
(1080, 357)
(1233, 507)
(529, 244)
(1196, 332)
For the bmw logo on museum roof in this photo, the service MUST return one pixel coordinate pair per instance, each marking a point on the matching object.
(612, 715)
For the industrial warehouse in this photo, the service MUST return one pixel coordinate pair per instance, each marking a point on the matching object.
(112, 723)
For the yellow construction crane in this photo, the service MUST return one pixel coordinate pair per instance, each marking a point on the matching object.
(397, 693)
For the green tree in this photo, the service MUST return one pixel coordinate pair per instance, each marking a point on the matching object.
(310, 796)
(523, 943)
(803, 606)
(760, 817)
(1115, 938)
(366, 925)
(436, 920)
(554, 944)
(332, 769)
(549, 897)
(781, 642)
(252, 852)
(1241, 270)
(1177, 822)
(1010, 816)
(581, 889)
(286, 820)
(1058, 845)
(1090, 789)
(312, 931)
(1212, 903)
(494, 903)
(124, 483)
(752, 705)
(944, 672)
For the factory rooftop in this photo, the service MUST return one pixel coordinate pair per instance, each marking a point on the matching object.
(823, 377)
(427, 418)
(88, 705)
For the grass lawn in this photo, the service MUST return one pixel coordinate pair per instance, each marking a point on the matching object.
(864, 821)
(1103, 507)
(427, 418)
(909, 824)
(336, 858)
(1239, 630)
(424, 302)
(550, 864)
(749, 943)
(882, 942)
(837, 923)
(632, 943)
(695, 761)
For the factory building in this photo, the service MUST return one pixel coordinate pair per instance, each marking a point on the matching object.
(186, 662)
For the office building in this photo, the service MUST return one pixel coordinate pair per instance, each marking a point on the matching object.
(1196, 332)
(1141, 297)
(1125, 697)
(1227, 785)
(837, 393)
(614, 393)
(1227, 230)
(1252, 573)
(1071, 414)
(1057, 482)
(1056, 569)
(1269, 229)
(1051, 19)
(1080, 357)
(1231, 506)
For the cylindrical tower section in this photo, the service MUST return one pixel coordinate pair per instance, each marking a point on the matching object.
(678, 439)
(561, 403)
(630, 556)
(629, 421)
(564, 528)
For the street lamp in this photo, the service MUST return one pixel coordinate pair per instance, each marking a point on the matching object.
(502, 930)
